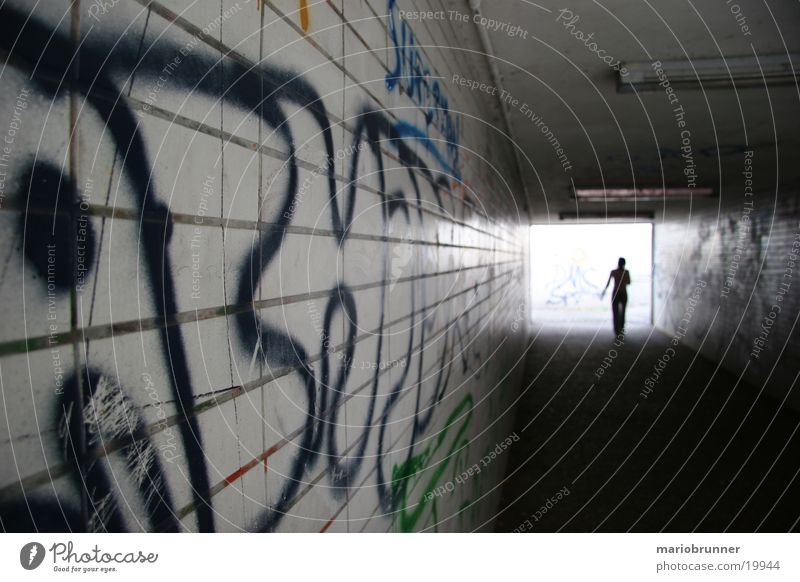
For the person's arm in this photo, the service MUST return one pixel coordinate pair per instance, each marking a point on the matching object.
(610, 275)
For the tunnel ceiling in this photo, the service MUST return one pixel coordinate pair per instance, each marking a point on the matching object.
(616, 139)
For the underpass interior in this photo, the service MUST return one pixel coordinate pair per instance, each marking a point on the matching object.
(703, 450)
(688, 424)
(570, 267)
(339, 266)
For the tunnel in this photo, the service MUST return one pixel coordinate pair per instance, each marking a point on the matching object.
(388, 266)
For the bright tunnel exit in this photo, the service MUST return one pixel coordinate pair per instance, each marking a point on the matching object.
(571, 263)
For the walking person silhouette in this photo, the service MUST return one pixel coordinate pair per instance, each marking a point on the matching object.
(619, 296)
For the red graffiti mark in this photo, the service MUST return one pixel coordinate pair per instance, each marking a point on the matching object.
(326, 526)
(245, 468)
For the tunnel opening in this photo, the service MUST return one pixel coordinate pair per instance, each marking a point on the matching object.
(570, 265)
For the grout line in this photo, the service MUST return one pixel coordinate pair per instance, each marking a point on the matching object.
(48, 475)
(105, 331)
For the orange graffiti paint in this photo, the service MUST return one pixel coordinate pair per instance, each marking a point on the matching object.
(304, 15)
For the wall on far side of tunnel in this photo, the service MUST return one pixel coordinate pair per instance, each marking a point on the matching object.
(746, 315)
(263, 269)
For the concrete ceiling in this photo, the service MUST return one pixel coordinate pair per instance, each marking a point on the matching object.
(625, 139)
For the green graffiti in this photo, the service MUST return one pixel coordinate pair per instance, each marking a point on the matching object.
(403, 474)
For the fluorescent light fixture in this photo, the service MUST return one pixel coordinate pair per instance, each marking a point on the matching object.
(638, 194)
(711, 73)
(612, 216)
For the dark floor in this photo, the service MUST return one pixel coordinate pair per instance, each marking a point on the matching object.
(691, 456)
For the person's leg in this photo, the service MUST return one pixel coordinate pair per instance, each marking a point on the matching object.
(615, 314)
(623, 304)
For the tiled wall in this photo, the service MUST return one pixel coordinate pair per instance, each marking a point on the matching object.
(255, 275)
(740, 259)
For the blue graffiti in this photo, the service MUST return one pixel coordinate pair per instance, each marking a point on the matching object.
(407, 130)
(570, 287)
(412, 75)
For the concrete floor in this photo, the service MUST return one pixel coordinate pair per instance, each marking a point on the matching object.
(693, 455)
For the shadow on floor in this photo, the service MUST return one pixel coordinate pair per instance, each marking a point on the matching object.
(690, 455)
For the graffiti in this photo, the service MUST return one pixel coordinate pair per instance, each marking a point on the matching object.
(99, 428)
(405, 475)
(571, 284)
(412, 76)
(473, 471)
(305, 21)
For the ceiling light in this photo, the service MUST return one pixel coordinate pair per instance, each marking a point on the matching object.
(616, 216)
(615, 194)
(709, 73)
